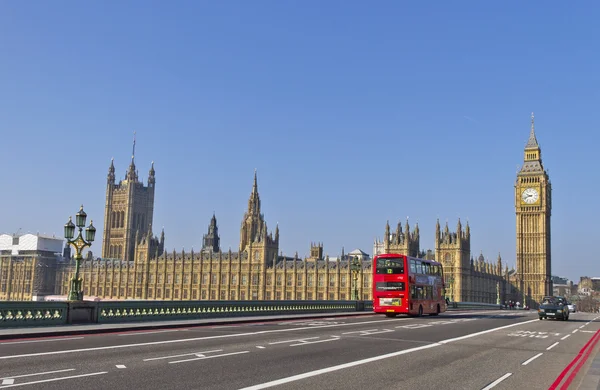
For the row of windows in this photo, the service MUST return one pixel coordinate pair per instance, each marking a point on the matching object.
(421, 267)
(214, 278)
(423, 292)
(26, 288)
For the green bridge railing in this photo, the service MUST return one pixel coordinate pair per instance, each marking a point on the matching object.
(24, 314)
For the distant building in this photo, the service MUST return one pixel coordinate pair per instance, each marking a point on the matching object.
(28, 266)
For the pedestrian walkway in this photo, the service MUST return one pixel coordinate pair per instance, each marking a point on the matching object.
(61, 330)
(591, 378)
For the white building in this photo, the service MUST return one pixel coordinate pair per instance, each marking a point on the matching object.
(30, 242)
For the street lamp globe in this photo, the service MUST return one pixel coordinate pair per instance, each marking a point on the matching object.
(80, 217)
(90, 232)
(69, 229)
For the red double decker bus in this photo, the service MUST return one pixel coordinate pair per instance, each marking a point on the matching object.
(407, 285)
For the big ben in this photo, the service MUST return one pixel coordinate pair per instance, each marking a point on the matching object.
(533, 205)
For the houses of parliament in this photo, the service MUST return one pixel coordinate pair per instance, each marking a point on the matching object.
(135, 264)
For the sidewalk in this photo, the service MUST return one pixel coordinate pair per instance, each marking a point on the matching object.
(591, 375)
(63, 330)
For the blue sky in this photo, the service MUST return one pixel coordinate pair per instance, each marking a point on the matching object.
(354, 113)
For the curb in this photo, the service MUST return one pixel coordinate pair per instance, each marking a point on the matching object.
(127, 326)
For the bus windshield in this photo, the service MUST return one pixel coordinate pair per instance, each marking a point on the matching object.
(390, 266)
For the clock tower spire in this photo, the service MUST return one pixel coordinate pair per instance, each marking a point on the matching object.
(533, 206)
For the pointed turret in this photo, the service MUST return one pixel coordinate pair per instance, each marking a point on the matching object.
(111, 172)
(386, 238)
(532, 141)
(151, 175)
(499, 265)
(211, 240)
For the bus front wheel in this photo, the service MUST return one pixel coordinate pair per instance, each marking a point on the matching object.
(437, 311)
(420, 311)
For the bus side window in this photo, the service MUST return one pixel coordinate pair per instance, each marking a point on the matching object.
(413, 295)
(413, 267)
(419, 267)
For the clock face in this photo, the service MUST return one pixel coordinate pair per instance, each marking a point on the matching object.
(530, 195)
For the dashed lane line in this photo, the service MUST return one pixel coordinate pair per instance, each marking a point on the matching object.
(526, 362)
(497, 381)
(38, 373)
(208, 357)
(552, 346)
(185, 354)
(565, 337)
(376, 358)
(54, 379)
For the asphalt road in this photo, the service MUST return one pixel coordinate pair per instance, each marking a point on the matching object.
(475, 350)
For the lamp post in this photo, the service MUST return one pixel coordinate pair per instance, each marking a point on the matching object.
(355, 268)
(79, 243)
(498, 301)
(450, 286)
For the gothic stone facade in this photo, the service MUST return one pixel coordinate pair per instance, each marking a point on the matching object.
(255, 272)
(466, 280)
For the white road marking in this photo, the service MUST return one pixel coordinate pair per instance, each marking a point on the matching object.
(494, 383)
(336, 368)
(291, 341)
(143, 333)
(224, 336)
(484, 332)
(581, 326)
(575, 331)
(176, 356)
(208, 357)
(526, 362)
(41, 341)
(588, 331)
(38, 373)
(552, 346)
(187, 340)
(54, 379)
(121, 366)
(370, 331)
(260, 346)
(335, 338)
(8, 381)
(413, 326)
(376, 358)
(567, 336)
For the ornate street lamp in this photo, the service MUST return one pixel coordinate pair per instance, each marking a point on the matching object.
(355, 268)
(79, 243)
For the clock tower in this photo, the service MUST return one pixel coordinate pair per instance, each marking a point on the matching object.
(533, 205)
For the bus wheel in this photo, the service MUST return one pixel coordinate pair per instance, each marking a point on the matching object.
(420, 311)
(437, 311)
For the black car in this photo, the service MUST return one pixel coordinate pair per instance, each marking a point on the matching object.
(554, 307)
